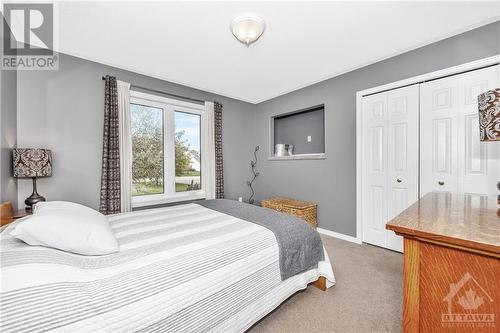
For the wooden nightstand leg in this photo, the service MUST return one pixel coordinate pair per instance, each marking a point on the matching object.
(320, 283)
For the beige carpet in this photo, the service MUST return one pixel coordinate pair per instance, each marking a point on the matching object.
(366, 298)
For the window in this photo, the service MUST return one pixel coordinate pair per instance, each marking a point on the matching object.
(167, 147)
(147, 150)
(187, 151)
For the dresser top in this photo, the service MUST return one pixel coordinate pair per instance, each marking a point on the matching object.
(467, 221)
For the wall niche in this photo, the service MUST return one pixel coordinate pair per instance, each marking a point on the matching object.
(304, 129)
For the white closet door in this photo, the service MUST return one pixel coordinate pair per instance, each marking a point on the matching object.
(478, 162)
(402, 166)
(452, 157)
(390, 164)
(375, 169)
(438, 136)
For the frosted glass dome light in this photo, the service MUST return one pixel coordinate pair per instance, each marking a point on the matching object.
(248, 27)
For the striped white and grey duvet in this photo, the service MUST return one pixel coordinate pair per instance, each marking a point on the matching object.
(180, 269)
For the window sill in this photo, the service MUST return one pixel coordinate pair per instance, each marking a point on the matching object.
(318, 156)
(144, 201)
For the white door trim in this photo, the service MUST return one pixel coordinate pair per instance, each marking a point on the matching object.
(393, 85)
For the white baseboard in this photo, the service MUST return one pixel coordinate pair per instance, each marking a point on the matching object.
(339, 235)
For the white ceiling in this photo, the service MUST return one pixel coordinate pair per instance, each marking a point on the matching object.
(190, 42)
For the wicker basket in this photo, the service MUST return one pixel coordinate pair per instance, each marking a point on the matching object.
(301, 209)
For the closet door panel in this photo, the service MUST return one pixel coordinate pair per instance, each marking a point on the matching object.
(478, 162)
(424, 138)
(438, 136)
(402, 180)
(375, 169)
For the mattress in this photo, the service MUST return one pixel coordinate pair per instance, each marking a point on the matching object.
(184, 268)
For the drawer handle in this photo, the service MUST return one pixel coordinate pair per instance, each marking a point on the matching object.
(399, 180)
(441, 182)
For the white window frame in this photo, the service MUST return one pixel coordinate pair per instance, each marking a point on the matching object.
(169, 107)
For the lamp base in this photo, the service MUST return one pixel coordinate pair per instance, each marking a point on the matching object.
(498, 197)
(33, 198)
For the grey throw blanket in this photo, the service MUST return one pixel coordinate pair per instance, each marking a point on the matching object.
(300, 246)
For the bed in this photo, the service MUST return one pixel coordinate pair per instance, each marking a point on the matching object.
(186, 268)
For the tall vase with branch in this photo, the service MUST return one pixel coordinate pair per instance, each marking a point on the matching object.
(253, 164)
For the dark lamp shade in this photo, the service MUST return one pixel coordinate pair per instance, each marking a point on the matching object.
(489, 115)
(31, 162)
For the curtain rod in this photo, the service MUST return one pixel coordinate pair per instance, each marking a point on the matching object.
(199, 101)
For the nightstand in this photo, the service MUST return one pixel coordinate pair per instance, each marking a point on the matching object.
(7, 214)
(21, 213)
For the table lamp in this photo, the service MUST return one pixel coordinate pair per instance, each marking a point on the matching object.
(32, 163)
(489, 118)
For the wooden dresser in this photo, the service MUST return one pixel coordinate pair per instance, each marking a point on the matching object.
(451, 275)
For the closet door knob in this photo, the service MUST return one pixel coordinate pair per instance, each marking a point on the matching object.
(399, 180)
(441, 183)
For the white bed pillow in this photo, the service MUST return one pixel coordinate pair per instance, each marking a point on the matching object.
(58, 205)
(69, 227)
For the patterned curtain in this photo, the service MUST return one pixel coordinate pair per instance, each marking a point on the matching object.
(219, 174)
(110, 176)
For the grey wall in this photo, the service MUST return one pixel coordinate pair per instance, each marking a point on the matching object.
(63, 110)
(294, 129)
(8, 135)
(332, 182)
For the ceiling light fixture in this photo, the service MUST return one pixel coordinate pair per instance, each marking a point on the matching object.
(248, 27)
